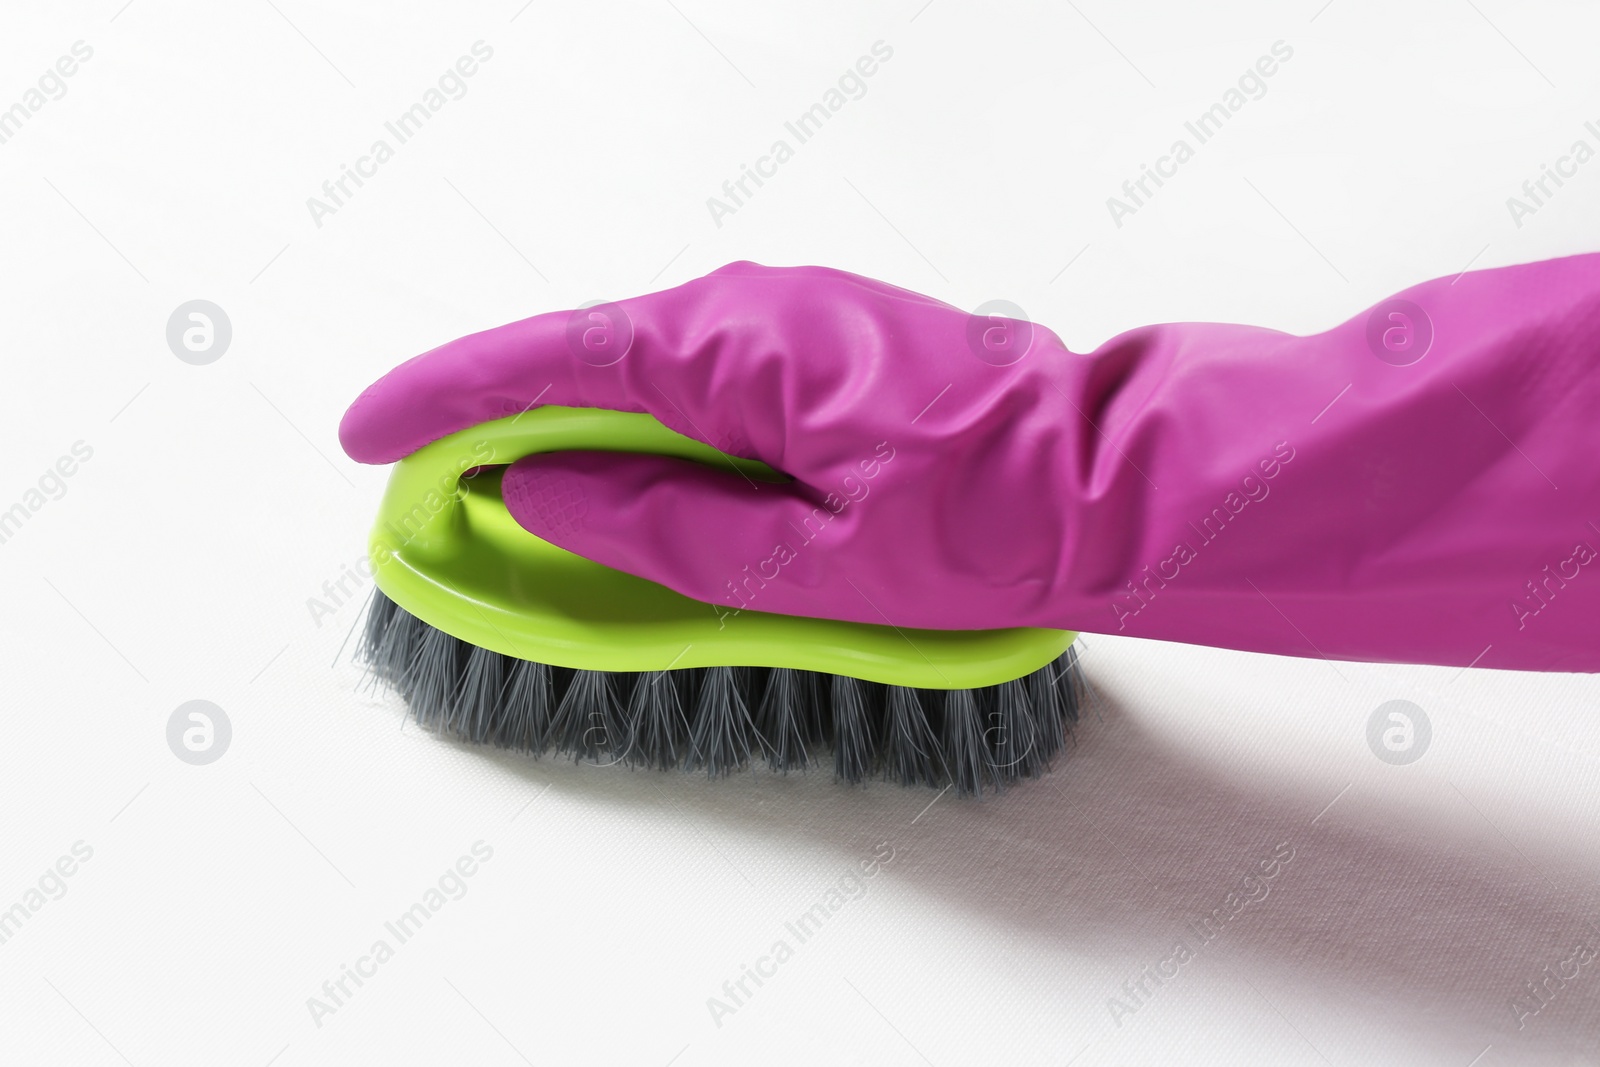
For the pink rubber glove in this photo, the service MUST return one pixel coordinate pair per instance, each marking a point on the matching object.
(1420, 484)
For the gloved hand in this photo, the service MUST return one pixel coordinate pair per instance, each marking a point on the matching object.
(1419, 484)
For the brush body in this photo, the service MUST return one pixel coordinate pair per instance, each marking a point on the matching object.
(719, 719)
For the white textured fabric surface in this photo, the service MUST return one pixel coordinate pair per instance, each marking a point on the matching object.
(1117, 912)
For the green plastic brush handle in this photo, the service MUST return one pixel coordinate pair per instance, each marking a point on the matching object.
(446, 549)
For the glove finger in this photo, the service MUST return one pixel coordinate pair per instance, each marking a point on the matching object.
(476, 378)
(706, 533)
(654, 353)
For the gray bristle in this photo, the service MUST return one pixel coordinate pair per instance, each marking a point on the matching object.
(660, 732)
(910, 748)
(589, 721)
(1066, 677)
(388, 641)
(1014, 737)
(434, 674)
(965, 753)
(375, 636)
(528, 708)
(1049, 710)
(478, 698)
(722, 734)
(855, 715)
(787, 717)
(976, 740)
(816, 724)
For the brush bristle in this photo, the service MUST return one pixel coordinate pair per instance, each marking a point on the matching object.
(526, 709)
(722, 733)
(789, 718)
(718, 719)
(590, 721)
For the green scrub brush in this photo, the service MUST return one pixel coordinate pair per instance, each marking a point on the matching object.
(498, 637)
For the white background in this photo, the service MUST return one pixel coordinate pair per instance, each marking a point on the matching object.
(179, 563)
